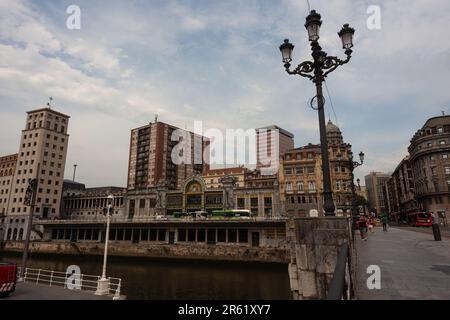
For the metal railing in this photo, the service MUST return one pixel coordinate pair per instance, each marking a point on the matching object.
(71, 281)
(341, 286)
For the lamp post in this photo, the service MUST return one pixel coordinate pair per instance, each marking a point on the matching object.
(317, 70)
(29, 201)
(352, 165)
(103, 283)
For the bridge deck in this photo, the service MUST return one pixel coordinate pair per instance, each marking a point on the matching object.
(413, 265)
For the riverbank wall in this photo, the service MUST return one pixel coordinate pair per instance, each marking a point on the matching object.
(150, 250)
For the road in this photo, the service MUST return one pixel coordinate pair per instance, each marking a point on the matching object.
(412, 264)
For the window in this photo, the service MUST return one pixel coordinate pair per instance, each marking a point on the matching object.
(201, 235)
(447, 170)
(442, 142)
(243, 235)
(142, 203)
(445, 156)
(221, 235)
(162, 235)
(288, 171)
(300, 186)
(440, 130)
(181, 235)
(191, 235)
(312, 186)
(288, 186)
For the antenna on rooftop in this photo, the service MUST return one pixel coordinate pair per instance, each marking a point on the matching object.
(156, 118)
(443, 113)
(49, 103)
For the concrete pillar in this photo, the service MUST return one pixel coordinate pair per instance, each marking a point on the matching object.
(314, 244)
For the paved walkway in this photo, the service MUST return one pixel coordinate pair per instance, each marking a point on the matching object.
(413, 265)
(31, 291)
(445, 231)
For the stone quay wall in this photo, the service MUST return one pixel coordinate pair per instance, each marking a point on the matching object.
(175, 251)
(314, 244)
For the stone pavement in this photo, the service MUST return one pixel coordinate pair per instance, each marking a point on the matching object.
(413, 265)
(445, 231)
(31, 291)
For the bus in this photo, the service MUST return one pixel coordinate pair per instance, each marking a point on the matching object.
(244, 214)
(421, 219)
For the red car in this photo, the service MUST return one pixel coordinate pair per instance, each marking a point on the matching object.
(8, 279)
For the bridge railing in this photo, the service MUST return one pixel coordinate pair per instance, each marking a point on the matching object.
(69, 280)
(341, 284)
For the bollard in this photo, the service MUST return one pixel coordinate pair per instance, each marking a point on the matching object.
(436, 232)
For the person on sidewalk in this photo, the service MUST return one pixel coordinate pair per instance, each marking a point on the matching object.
(363, 227)
(384, 221)
(370, 224)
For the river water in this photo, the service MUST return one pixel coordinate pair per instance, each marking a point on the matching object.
(144, 278)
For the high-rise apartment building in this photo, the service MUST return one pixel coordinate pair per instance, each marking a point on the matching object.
(7, 170)
(42, 156)
(271, 143)
(151, 156)
(376, 191)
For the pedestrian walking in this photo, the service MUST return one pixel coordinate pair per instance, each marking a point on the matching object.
(363, 227)
(370, 224)
(384, 221)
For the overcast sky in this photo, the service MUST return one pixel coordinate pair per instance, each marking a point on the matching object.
(218, 62)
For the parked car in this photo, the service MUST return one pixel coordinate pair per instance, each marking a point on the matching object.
(8, 279)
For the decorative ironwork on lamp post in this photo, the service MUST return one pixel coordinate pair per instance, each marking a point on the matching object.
(317, 70)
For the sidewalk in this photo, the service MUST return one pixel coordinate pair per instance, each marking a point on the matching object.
(413, 265)
(445, 231)
(31, 291)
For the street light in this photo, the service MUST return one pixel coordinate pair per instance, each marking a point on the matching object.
(317, 70)
(103, 283)
(29, 201)
(352, 165)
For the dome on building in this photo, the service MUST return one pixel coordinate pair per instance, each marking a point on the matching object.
(332, 128)
(334, 134)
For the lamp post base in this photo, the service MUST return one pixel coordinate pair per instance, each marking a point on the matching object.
(102, 287)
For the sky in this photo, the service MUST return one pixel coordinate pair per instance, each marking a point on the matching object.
(218, 62)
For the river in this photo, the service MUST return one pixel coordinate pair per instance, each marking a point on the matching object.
(144, 278)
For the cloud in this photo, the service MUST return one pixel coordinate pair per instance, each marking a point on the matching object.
(219, 62)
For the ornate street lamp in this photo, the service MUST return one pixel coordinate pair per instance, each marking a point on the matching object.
(317, 70)
(103, 282)
(29, 201)
(353, 165)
